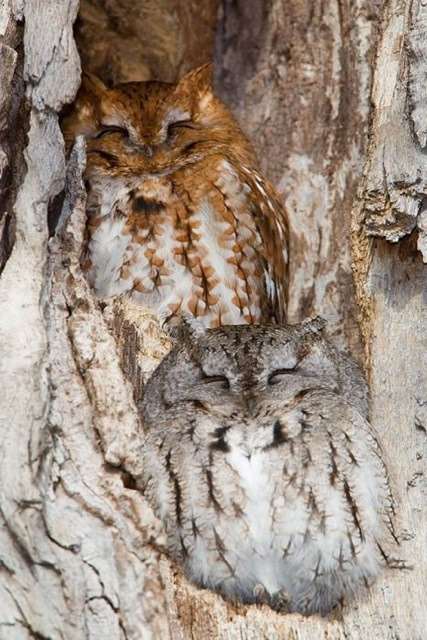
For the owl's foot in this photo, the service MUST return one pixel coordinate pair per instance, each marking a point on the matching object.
(260, 594)
(280, 602)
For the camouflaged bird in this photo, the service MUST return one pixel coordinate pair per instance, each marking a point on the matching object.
(260, 461)
(179, 216)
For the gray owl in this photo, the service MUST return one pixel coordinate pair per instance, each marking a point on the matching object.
(260, 462)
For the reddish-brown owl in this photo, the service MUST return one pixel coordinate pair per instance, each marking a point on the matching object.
(178, 213)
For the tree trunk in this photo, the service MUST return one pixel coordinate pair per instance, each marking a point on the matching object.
(333, 95)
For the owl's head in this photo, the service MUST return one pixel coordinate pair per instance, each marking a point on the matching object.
(151, 126)
(248, 368)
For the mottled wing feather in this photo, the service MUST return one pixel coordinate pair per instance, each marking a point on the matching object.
(271, 221)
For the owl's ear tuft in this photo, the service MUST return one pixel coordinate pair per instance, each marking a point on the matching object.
(84, 115)
(198, 80)
(82, 118)
(189, 329)
(313, 325)
(92, 85)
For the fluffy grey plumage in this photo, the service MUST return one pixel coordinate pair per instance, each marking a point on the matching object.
(260, 462)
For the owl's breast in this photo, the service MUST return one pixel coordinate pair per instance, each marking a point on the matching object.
(280, 512)
(185, 242)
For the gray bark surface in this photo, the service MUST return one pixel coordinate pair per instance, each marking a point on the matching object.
(334, 96)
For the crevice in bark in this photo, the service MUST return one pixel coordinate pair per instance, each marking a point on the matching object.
(124, 40)
(241, 31)
(14, 125)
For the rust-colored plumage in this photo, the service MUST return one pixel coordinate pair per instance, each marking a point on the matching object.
(179, 216)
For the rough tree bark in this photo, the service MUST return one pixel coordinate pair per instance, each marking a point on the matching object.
(124, 40)
(333, 95)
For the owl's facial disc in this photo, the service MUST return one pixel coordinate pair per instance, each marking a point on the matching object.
(232, 364)
(174, 133)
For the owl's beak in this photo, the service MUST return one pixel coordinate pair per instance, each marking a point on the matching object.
(142, 148)
(146, 150)
(251, 403)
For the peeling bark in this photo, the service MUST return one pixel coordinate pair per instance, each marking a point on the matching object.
(395, 181)
(81, 554)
